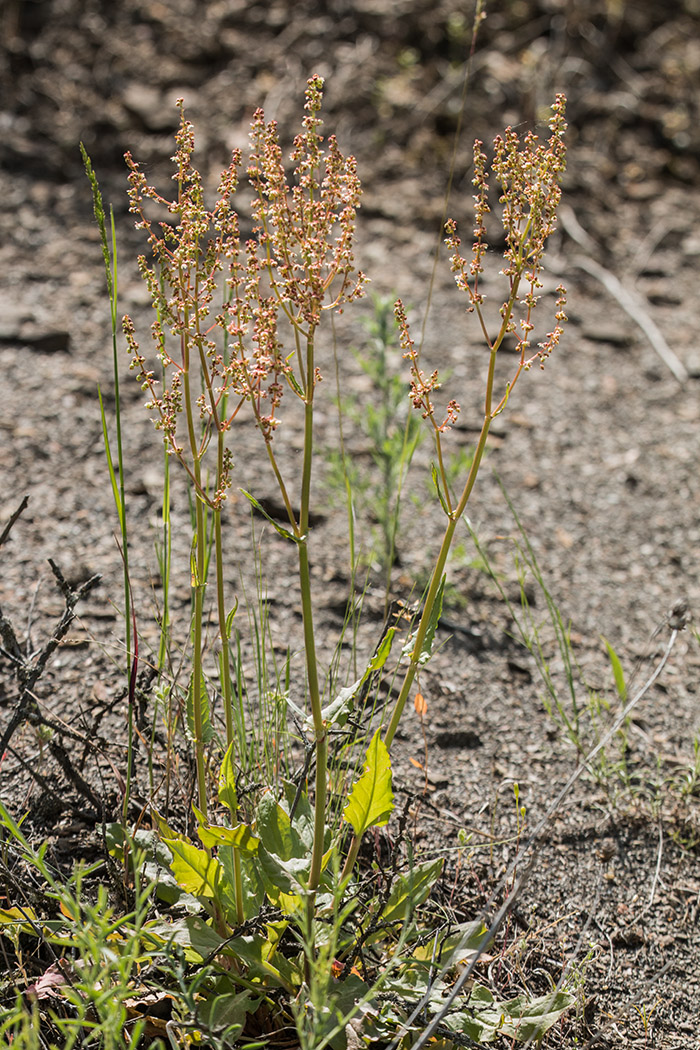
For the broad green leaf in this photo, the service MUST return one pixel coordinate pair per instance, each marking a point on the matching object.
(20, 918)
(225, 1008)
(303, 821)
(371, 801)
(275, 829)
(414, 979)
(228, 795)
(410, 890)
(252, 883)
(194, 871)
(202, 938)
(157, 858)
(521, 1018)
(278, 834)
(283, 877)
(164, 829)
(275, 524)
(382, 654)
(618, 673)
(192, 934)
(257, 952)
(241, 836)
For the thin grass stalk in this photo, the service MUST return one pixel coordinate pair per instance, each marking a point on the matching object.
(407, 450)
(109, 254)
(346, 476)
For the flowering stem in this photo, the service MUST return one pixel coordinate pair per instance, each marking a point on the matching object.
(198, 572)
(320, 732)
(441, 561)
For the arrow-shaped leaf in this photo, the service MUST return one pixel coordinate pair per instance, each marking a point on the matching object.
(371, 801)
(194, 870)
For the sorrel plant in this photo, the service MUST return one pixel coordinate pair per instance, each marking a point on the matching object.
(236, 331)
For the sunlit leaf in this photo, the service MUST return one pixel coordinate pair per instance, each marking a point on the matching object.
(241, 835)
(618, 672)
(522, 1018)
(228, 795)
(275, 524)
(194, 870)
(371, 801)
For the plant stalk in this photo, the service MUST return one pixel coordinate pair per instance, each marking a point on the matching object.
(441, 561)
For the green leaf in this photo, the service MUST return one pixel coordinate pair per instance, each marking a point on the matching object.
(230, 618)
(228, 796)
(200, 936)
(438, 489)
(292, 380)
(193, 934)
(257, 952)
(283, 878)
(303, 822)
(252, 883)
(275, 829)
(19, 920)
(155, 867)
(194, 870)
(226, 1008)
(409, 891)
(240, 836)
(275, 524)
(371, 801)
(458, 948)
(382, 654)
(618, 673)
(522, 1018)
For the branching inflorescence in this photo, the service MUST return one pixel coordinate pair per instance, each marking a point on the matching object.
(529, 176)
(299, 263)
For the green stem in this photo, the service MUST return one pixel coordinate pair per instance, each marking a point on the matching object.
(198, 580)
(225, 661)
(441, 561)
(198, 586)
(320, 732)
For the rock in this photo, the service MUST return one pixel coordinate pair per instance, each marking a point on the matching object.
(44, 340)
